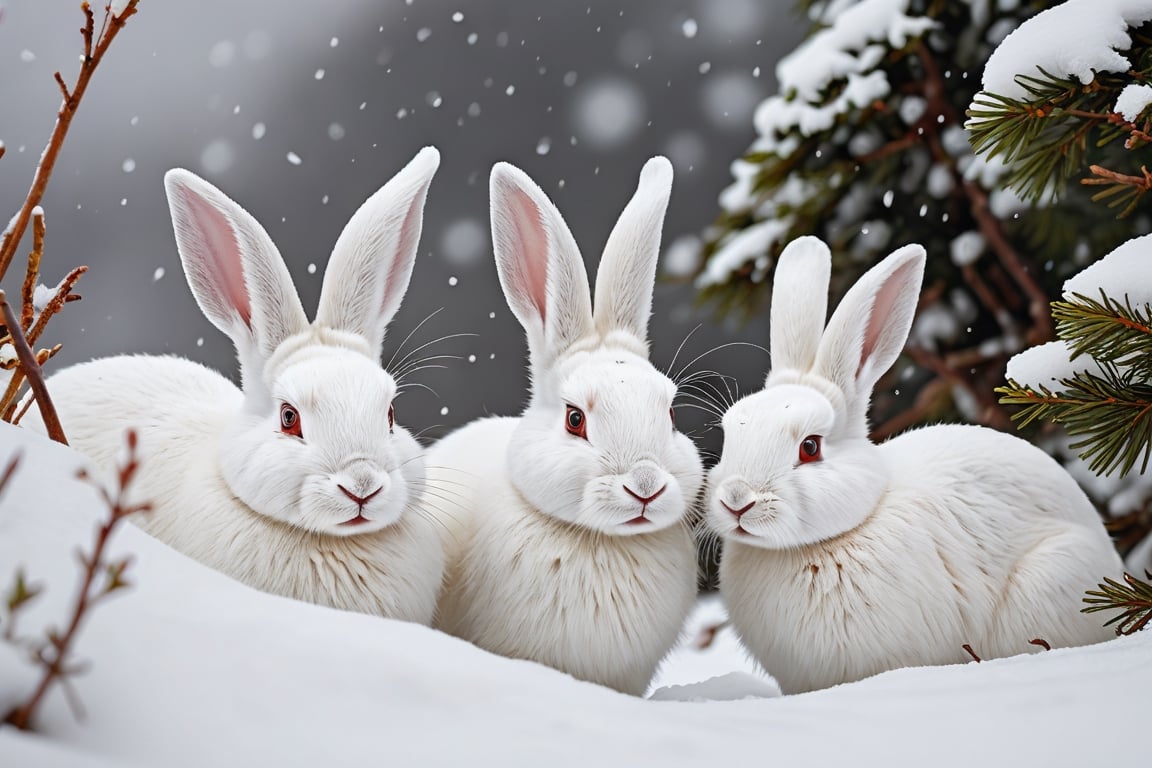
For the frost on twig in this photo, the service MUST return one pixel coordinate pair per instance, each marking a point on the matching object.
(101, 577)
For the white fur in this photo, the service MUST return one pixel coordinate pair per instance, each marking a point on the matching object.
(882, 556)
(550, 557)
(228, 487)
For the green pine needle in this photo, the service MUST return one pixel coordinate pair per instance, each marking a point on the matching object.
(1110, 413)
(1133, 599)
(1106, 329)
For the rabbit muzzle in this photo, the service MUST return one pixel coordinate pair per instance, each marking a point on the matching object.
(645, 498)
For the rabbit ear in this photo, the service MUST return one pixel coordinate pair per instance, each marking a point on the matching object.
(867, 331)
(540, 267)
(627, 273)
(799, 303)
(234, 270)
(371, 264)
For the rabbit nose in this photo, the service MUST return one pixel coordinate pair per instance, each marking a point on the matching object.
(645, 500)
(646, 481)
(360, 500)
(738, 513)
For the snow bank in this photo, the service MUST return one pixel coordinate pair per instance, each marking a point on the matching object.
(1077, 38)
(191, 669)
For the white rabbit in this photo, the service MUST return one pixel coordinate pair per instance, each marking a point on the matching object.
(568, 540)
(300, 484)
(843, 558)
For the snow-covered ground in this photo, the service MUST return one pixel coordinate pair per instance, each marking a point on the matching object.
(192, 669)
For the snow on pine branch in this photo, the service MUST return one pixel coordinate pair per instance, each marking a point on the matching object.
(1123, 275)
(1077, 38)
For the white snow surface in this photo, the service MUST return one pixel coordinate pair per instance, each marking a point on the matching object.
(1133, 99)
(1077, 38)
(189, 668)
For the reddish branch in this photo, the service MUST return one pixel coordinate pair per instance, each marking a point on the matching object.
(1105, 176)
(91, 60)
(54, 655)
(31, 367)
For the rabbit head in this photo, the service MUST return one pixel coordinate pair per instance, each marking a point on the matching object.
(316, 444)
(596, 446)
(797, 466)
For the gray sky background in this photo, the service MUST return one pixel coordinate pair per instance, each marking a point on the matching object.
(300, 111)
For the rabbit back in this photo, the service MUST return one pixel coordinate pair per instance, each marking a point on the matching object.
(942, 561)
(180, 409)
(525, 585)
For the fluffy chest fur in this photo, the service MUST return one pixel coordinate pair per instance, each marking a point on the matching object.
(602, 608)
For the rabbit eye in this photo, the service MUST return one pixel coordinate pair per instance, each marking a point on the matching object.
(672, 416)
(575, 423)
(391, 417)
(810, 449)
(290, 421)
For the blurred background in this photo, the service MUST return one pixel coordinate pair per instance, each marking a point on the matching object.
(299, 112)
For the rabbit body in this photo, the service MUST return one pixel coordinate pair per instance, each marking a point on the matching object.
(843, 558)
(299, 482)
(567, 528)
(602, 608)
(946, 561)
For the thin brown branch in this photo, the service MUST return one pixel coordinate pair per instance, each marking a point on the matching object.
(32, 371)
(54, 655)
(1107, 176)
(990, 412)
(32, 272)
(10, 240)
(10, 470)
(989, 224)
(62, 296)
(63, 86)
(1013, 262)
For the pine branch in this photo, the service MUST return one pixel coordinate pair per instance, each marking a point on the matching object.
(1120, 189)
(1133, 599)
(1112, 414)
(1105, 329)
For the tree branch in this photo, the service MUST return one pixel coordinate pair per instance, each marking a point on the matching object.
(12, 236)
(32, 370)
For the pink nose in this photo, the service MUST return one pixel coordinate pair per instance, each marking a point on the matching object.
(361, 500)
(738, 512)
(642, 499)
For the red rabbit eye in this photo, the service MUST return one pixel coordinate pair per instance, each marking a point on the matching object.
(672, 416)
(391, 417)
(575, 422)
(290, 421)
(810, 449)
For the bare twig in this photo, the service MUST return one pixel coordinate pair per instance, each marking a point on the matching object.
(32, 271)
(54, 654)
(32, 370)
(62, 296)
(6, 475)
(92, 57)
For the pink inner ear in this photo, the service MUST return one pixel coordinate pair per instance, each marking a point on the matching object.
(530, 249)
(219, 254)
(882, 314)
